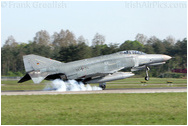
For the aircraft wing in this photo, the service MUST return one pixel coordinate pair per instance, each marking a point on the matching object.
(97, 75)
(113, 71)
(109, 77)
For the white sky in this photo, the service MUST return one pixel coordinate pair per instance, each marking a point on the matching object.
(117, 21)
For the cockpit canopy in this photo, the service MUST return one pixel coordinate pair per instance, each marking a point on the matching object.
(132, 52)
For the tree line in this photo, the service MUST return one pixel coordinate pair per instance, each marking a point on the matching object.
(65, 47)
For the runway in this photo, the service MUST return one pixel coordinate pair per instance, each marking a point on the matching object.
(124, 90)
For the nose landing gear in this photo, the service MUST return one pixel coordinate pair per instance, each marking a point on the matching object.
(147, 75)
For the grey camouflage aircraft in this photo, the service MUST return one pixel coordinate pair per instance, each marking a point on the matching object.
(99, 69)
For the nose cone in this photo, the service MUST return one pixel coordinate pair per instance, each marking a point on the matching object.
(166, 57)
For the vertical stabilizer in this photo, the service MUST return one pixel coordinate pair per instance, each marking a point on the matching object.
(33, 62)
(36, 67)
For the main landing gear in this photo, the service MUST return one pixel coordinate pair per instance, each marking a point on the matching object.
(102, 85)
(147, 76)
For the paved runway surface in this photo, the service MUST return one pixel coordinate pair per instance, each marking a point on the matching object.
(125, 90)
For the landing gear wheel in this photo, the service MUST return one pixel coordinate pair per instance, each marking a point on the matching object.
(146, 78)
(102, 85)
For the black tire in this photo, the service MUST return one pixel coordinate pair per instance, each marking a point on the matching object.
(147, 78)
(103, 87)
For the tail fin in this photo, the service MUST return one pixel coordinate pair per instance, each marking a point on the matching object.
(33, 62)
(33, 65)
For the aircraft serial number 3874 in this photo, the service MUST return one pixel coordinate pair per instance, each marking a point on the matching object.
(99, 69)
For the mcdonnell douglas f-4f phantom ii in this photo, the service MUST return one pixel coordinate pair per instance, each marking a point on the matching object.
(99, 69)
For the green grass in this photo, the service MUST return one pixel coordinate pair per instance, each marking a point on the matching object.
(143, 86)
(29, 85)
(95, 109)
(151, 81)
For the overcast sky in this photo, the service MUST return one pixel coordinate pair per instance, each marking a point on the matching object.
(117, 21)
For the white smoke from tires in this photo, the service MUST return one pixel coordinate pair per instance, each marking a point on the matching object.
(70, 85)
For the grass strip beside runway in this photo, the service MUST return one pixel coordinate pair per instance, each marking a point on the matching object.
(98, 109)
(125, 83)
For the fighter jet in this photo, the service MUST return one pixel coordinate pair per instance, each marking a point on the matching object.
(99, 69)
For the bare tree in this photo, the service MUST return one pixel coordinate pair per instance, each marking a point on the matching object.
(98, 40)
(42, 37)
(141, 38)
(55, 39)
(81, 39)
(11, 41)
(171, 40)
(70, 38)
(63, 39)
(152, 39)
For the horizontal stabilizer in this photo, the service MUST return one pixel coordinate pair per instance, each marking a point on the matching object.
(37, 76)
(25, 78)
